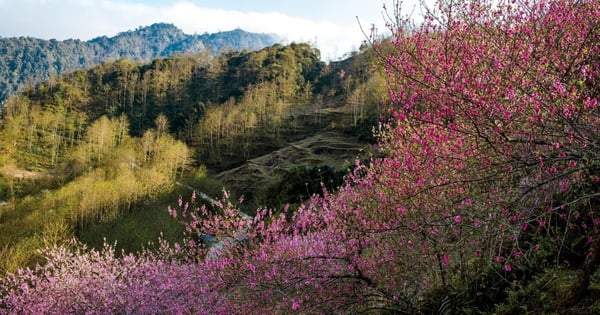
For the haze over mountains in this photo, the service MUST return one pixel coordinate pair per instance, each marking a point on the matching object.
(26, 60)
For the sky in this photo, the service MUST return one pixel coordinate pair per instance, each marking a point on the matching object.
(330, 25)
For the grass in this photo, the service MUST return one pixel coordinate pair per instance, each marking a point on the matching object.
(133, 230)
(146, 221)
(33, 222)
(28, 223)
(547, 292)
(25, 230)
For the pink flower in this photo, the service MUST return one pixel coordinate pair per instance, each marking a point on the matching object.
(457, 219)
(445, 259)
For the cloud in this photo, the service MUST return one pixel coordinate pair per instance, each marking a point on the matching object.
(86, 19)
(331, 38)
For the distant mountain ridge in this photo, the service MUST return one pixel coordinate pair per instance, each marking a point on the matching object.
(27, 59)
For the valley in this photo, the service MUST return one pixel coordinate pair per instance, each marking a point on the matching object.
(96, 154)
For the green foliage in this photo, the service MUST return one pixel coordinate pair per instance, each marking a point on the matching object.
(22, 253)
(146, 219)
(110, 171)
(25, 60)
(201, 180)
(5, 190)
(546, 293)
(300, 183)
(131, 230)
(450, 300)
(26, 229)
(272, 100)
(97, 152)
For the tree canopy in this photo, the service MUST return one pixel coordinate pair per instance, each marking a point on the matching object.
(26, 60)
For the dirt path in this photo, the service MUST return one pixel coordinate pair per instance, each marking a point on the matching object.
(17, 173)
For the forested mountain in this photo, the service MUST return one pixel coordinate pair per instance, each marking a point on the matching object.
(200, 94)
(132, 129)
(26, 59)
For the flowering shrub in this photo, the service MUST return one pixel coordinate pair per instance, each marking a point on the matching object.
(494, 131)
(491, 157)
(78, 280)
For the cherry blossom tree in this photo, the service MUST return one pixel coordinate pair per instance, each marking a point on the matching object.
(496, 121)
(490, 156)
(77, 280)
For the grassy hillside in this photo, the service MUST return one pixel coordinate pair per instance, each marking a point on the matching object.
(101, 153)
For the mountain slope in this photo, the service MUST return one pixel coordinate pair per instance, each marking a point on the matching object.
(119, 128)
(26, 59)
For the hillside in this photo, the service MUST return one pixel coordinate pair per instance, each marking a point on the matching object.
(30, 60)
(134, 129)
(480, 194)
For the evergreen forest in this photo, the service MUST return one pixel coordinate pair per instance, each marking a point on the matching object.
(29, 61)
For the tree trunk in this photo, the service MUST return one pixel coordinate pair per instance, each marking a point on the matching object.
(579, 288)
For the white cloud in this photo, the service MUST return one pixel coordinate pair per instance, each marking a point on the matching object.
(332, 39)
(85, 19)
